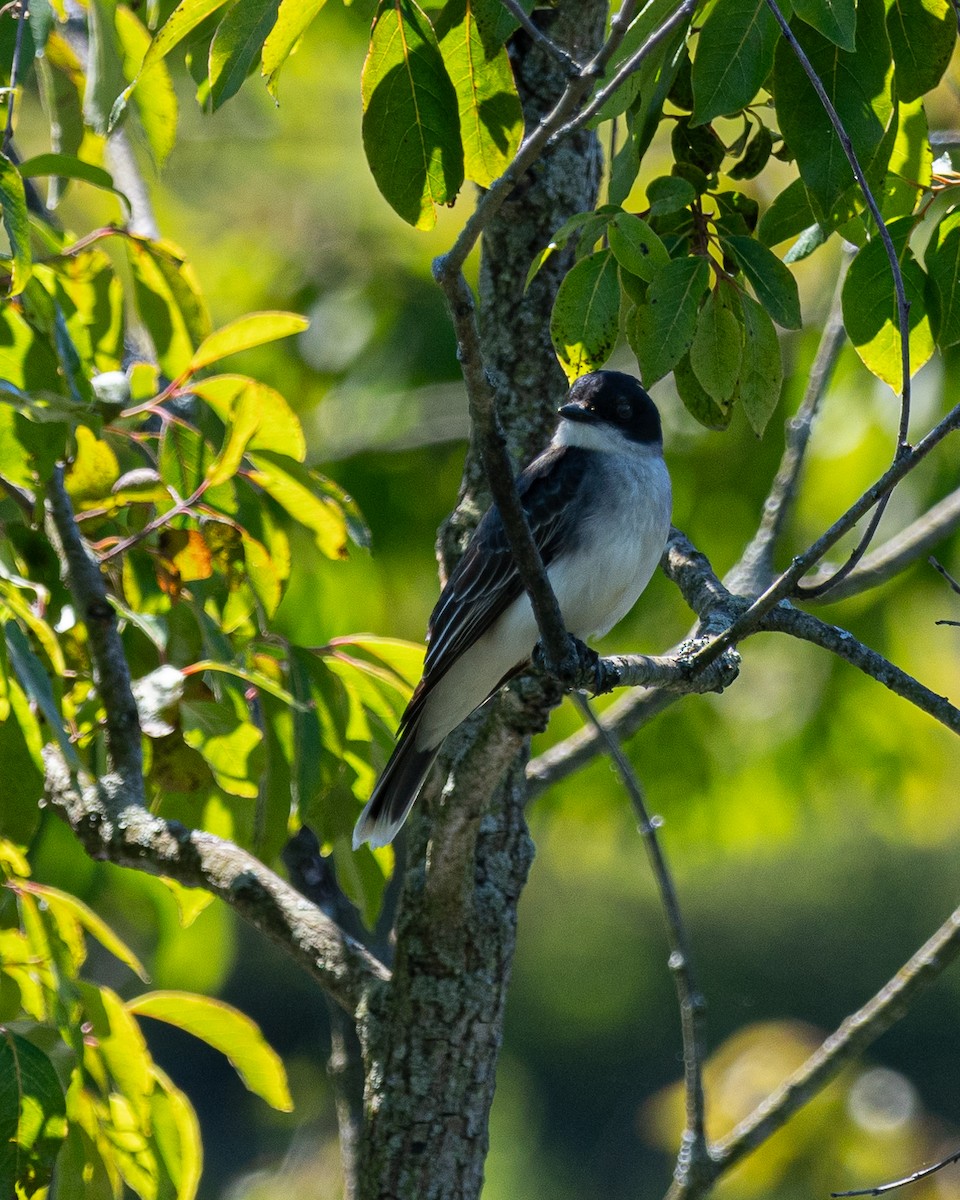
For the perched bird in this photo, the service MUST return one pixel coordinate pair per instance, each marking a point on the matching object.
(598, 503)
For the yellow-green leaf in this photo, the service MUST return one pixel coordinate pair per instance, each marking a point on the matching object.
(278, 427)
(88, 919)
(254, 329)
(227, 1030)
(586, 314)
(491, 118)
(237, 42)
(13, 203)
(293, 18)
(231, 747)
(295, 489)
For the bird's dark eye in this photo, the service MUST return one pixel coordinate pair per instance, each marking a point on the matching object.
(624, 411)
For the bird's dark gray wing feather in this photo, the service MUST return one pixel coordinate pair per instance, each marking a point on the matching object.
(486, 580)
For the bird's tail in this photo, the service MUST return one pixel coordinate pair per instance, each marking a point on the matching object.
(396, 790)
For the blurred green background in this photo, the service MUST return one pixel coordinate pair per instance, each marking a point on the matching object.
(810, 818)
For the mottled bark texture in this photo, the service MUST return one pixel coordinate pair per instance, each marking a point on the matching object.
(431, 1036)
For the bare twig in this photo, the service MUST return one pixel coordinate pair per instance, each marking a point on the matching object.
(888, 560)
(694, 1153)
(784, 619)
(633, 64)
(853, 1036)
(786, 584)
(903, 308)
(110, 670)
(519, 14)
(924, 1173)
(754, 571)
(21, 17)
(111, 823)
(938, 566)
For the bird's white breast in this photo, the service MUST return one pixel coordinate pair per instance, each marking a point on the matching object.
(596, 584)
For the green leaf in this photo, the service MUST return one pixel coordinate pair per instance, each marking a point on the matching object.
(715, 350)
(586, 314)
(77, 911)
(33, 678)
(789, 214)
(32, 1116)
(182, 21)
(910, 169)
(169, 301)
(16, 224)
(761, 369)
(669, 194)
(66, 166)
(156, 102)
(755, 157)
(295, 489)
(176, 1132)
(870, 309)
(411, 127)
(636, 247)
(697, 400)
(860, 88)
(227, 1030)
(734, 57)
(234, 397)
(254, 329)
(93, 471)
(104, 74)
(943, 265)
(835, 19)
(231, 747)
(293, 19)
(664, 327)
(122, 1047)
(491, 119)
(773, 283)
(21, 752)
(257, 678)
(236, 44)
(922, 34)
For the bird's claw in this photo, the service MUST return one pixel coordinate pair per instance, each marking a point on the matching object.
(580, 668)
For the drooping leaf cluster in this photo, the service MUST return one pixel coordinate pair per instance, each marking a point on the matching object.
(82, 1102)
(692, 278)
(187, 484)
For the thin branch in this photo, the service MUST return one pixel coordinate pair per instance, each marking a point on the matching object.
(110, 671)
(903, 308)
(694, 1153)
(924, 1173)
(785, 585)
(809, 628)
(519, 14)
(633, 64)
(853, 1036)
(938, 566)
(21, 17)
(914, 542)
(754, 571)
(111, 823)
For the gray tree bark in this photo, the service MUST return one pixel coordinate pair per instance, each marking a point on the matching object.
(432, 1035)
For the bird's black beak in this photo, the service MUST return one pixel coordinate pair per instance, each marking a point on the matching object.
(576, 411)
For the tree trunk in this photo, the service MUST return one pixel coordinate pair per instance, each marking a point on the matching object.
(431, 1036)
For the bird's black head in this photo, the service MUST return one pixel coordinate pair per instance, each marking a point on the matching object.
(612, 398)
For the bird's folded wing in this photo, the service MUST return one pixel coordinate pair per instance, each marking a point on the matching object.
(486, 580)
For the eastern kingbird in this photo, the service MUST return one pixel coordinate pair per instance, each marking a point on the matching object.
(598, 503)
